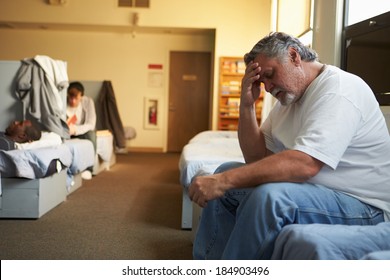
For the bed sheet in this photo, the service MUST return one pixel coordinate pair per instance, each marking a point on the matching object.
(104, 144)
(205, 136)
(83, 154)
(206, 151)
(33, 163)
(332, 242)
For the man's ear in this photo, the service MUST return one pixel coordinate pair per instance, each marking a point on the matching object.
(294, 56)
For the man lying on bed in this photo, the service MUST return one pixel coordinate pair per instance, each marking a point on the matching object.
(321, 156)
(19, 132)
(19, 157)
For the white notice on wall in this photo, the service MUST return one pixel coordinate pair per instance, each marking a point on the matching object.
(155, 79)
(155, 75)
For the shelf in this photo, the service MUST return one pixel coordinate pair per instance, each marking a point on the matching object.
(235, 74)
(227, 95)
(232, 69)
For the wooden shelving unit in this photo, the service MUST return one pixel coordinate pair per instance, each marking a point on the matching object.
(231, 71)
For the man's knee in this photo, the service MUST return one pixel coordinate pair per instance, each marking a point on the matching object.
(271, 190)
(279, 195)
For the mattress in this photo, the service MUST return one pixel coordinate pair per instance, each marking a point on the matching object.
(105, 156)
(202, 156)
(104, 144)
(206, 151)
(83, 154)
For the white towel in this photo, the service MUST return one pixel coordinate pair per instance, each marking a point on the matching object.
(56, 73)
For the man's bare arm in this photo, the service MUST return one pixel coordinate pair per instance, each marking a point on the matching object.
(287, 166)
(251, 138)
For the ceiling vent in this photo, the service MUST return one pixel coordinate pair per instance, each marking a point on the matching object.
(134, 3)
(57, 2)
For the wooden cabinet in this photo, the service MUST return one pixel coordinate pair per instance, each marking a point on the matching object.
(231, 71)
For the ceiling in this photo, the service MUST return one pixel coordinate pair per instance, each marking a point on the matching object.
(103, 28)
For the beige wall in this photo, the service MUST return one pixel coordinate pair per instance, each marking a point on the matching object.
(118, 56)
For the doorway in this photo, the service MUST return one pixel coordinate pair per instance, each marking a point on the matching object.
(189, 97)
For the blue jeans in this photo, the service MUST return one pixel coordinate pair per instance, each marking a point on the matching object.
(244, 223)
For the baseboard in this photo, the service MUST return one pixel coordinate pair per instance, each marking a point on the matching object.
(145, 150)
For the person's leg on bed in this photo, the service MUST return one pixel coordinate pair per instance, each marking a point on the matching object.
(331, 242)
(217, 221)
(269, 207)
(91, 136)
(244, 224)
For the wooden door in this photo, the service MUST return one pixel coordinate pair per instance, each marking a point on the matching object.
(189, 97)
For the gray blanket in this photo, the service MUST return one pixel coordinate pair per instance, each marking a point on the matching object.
(34, 163)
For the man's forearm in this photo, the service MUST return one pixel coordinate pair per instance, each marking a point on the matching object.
(252, 141)
(287, 166)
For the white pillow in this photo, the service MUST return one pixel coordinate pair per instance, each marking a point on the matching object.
(48, 139)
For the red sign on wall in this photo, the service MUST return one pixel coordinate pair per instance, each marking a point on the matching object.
(155, 66)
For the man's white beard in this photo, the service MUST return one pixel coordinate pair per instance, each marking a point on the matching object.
(288, 99)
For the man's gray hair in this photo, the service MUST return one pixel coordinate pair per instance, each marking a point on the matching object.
(276, 45)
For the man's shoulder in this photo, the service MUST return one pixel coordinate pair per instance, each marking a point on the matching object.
(6, 143)
(87, 100)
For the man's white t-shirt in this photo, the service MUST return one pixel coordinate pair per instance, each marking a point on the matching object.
(338, 121)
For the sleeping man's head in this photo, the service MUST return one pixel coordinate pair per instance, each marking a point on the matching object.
(23, 131)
